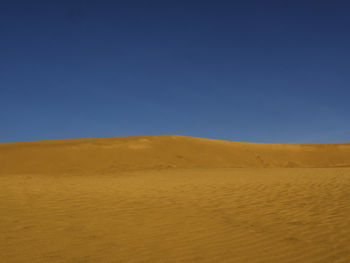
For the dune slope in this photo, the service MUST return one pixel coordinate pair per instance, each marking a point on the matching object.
(178, 215)
(173, 199)
(108, 155)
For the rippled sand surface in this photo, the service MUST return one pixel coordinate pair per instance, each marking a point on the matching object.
(177, 215)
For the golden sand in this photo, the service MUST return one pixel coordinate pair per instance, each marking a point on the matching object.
(173, 199)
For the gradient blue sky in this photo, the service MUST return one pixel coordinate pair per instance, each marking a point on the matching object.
(256, 71)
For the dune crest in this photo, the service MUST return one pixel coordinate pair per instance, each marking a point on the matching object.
(108, 155)
(218, 206)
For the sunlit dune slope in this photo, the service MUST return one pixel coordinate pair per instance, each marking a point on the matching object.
(108, 155)
(143, 210)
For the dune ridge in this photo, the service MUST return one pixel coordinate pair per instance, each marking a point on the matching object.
(108, 155)
(173, 199)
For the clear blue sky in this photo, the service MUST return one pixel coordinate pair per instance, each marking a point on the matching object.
(256, 71)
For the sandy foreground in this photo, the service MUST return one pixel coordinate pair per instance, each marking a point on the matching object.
(92, 212)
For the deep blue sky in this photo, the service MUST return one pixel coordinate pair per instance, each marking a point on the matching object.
(256, 71)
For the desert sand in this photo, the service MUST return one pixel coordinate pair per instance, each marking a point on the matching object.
(173, 199)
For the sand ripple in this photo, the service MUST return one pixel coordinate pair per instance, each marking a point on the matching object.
(189, 215)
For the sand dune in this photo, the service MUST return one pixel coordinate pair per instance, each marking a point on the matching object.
(108, 155)
(173, 199)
